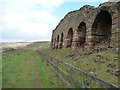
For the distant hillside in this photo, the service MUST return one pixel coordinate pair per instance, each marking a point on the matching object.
(38, 45)
(14, 44)
(8, 46)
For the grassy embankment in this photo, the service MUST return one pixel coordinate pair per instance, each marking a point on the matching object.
(102, 64)
(24, 68)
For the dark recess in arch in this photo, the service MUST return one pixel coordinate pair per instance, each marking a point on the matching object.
(70, 36)
(57, 41)
(101, 28)
(82, 33)
(61, 40)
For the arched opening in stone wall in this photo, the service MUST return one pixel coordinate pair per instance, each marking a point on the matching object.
(61, 40)
(54, 43)
(57, 41)
(70, 37)
(82, 33)
(101, 28)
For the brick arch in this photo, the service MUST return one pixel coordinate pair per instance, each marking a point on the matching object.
(57, 42)
(54, 43)
(69, 38)
(61, 40)
(82, 33)
(101, 28)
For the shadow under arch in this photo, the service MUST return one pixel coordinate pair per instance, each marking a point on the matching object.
(101, 28)
(82, 33)
(61, 40)
(70, 37)
(57, 42)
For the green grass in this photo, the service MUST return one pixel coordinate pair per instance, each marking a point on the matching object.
(25, 65)
(26, 69)
(87, 62)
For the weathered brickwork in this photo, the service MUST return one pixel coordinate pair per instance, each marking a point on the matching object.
(88, 28)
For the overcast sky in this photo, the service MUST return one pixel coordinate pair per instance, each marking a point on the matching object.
(34, 20)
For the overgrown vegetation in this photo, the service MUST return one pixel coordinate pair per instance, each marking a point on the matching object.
(103, 64)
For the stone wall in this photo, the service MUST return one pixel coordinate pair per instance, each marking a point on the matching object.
(88, 28)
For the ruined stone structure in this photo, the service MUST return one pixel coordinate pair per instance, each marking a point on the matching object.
(88, 28)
